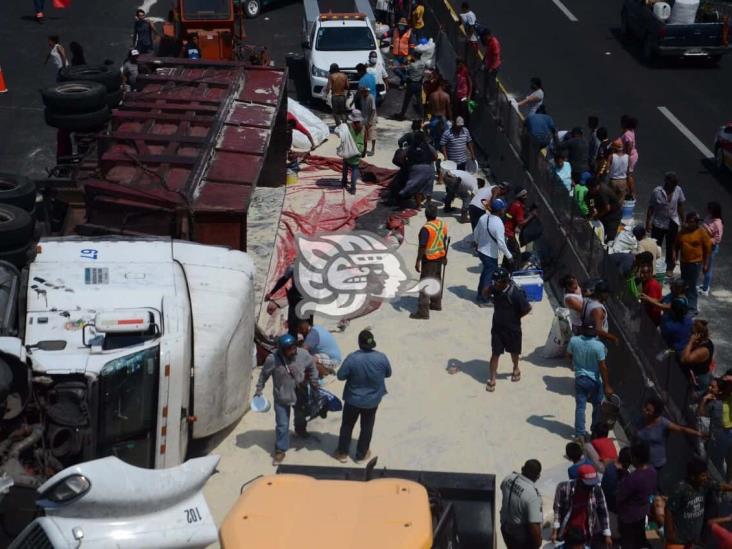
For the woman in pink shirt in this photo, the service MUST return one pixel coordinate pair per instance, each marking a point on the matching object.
(715, 227)
(628, 124)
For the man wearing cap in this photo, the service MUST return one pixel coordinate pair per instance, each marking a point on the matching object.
(510, 306)
(515, 220)
(364, 372)
(431, 256)
(490, 237)
(463, 185)
(580, 505)
(403, 41)
(337, 86)
(130, 69)
(291, 369)
(521, 509)
(456, 143)
(587, 354)
(358, 134)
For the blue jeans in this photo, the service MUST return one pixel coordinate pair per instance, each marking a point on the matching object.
(708, 275)
(282, 425)
(490, 264)
(586, 390)
(355, 174)
(719, 446)
(690, 275)
(38, 5)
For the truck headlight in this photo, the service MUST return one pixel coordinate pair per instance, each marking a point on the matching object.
(67, 489)
(315, 71)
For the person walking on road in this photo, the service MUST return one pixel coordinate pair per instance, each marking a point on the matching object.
(291, 370)
(364, 372)
(337, 87)
(57, 56)
(403, 41)
(490, 237)
(694, 249)
(414, 77)
(715, 227)
(510, 306)
(580, 504)
(457, 144)
(521, 508)
(142, 33)
(587, 354)
(370, 117)
(355, 127)
(431, 256)
(629, 124)
(664, 215)
(491, 64)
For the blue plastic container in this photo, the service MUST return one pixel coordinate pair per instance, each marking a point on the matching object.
(532, 282)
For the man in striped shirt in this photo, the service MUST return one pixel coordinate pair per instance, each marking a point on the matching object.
(456, 143)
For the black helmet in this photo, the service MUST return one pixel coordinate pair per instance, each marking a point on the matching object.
(501, 275)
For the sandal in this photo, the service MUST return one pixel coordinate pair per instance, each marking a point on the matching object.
(516, 377)
(490, 386)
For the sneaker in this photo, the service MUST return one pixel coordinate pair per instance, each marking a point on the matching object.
(364, 458)
(701, 291)
(343, 458)
(279, 457)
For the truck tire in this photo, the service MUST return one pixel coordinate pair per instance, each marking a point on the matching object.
(649, 54)
(107, 75)
(16, 227)
(78, 122)
(252, 8)
(17, 191)
(114, 99)
(74, 96)
(18, 257)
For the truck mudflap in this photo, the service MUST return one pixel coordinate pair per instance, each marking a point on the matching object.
(465, 516)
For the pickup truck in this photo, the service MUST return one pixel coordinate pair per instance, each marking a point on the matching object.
(705, 38)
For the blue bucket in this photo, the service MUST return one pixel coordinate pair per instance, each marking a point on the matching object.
(628, 207)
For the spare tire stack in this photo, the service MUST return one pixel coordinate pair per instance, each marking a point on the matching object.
(17, 219)
(82, 99)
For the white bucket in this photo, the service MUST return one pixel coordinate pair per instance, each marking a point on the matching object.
(662, 11)
(447, 166)
(260, 404)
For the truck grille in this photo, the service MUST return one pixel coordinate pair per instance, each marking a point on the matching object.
(35, 538)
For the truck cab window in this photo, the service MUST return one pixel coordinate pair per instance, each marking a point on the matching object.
(345, 39)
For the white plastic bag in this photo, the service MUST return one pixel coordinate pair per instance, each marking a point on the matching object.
(624, 243)
(318, 129)
(300, 141)
(559, 335)
(347, 148)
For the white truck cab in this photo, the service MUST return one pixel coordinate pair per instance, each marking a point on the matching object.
(346, 39)
(131, 347)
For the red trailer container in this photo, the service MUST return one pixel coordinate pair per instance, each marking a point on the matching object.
(184, 154)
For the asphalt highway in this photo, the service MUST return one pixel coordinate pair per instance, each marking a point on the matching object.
(574, 46)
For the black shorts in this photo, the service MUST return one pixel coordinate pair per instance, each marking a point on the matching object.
(505, 340)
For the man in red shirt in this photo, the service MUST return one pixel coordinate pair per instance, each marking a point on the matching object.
(515, 219)
(651, 288)
(492, 62)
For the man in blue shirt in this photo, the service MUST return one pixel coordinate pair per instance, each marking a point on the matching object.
(366, 79)
(364, 372)
(587, 354)
(321, 344)
(540, 127)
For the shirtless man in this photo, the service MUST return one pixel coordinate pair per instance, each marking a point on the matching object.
(338, 87)
(441, 110)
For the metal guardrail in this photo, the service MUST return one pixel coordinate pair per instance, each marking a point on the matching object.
(569, 242)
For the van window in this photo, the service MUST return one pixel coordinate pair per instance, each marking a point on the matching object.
(345, 39)
(128, 407)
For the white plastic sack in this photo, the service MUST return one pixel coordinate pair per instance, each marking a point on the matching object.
(380, 29)
(683, 12)
(317, 128)
(559, 335)
(624, 243)
(347, 148)
(428, 52)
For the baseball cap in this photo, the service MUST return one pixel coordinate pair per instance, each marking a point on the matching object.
(587, 474)
(459, 121)
(366, 340)
(134, 53)
(498, 204)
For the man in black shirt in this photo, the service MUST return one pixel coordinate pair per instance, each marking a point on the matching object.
(293, 298)
(510, 305)
(604, 206)
(577, 152)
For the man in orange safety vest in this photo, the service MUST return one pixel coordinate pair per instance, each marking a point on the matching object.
(431, 256)
(402, 46)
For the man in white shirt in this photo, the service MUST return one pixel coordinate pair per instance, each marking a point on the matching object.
(376, 68)
(482, 199)
(467, 16)
(463, 185)
(489, 235)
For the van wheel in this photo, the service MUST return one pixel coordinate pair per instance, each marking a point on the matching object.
(252, 8)
(17, 191)
(16, 227)
(71, 97)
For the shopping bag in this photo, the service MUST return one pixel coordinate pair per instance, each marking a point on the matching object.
(347, 148)
(61, 4)
(559, 335)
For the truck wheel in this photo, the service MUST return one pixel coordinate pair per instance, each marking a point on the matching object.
(17, 191)
(649, 53)
(18, 257)
(78, 122)
(71, 97)
(16, 227)
(107, 75)
(114, 99)
(252, 8)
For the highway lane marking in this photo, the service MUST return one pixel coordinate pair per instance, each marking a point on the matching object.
(565, 10)
(686, 132)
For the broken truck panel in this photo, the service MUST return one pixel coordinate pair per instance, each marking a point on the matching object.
(186, 151)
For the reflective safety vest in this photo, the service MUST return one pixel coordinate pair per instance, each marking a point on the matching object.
(400, 44)
(436, 236)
